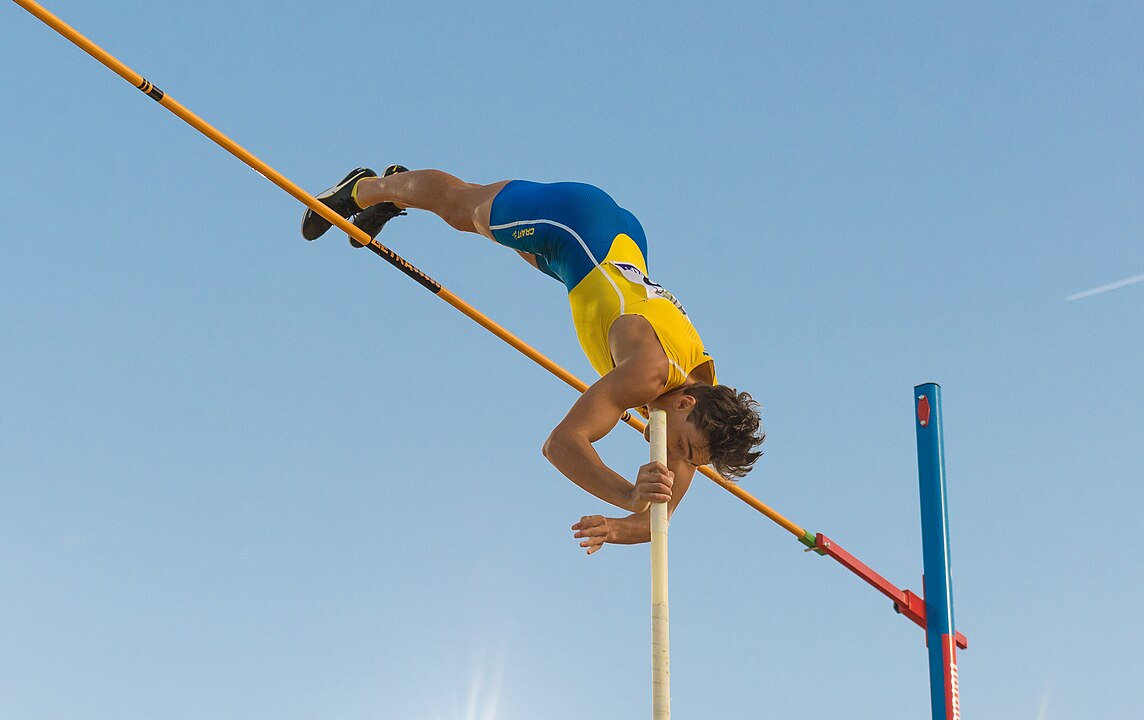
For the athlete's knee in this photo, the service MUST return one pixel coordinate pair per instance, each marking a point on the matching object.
(467, 208)
(459, 210)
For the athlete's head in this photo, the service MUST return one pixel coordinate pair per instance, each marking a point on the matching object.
(729, 420)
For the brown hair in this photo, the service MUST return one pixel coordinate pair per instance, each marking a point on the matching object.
(730, 421)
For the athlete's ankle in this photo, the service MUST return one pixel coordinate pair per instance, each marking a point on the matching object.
(362, 191)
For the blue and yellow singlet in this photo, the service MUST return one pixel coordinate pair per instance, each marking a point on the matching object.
(581, 237)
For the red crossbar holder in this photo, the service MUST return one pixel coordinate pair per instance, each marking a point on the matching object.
(905, 602)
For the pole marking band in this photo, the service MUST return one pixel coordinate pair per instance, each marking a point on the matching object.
(150, 90)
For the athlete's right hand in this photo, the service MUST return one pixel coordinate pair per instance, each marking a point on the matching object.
(653, 484)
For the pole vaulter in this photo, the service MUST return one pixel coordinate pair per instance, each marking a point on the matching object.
(904, 601)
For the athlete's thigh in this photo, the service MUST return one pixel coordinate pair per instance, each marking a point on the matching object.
(571, 225)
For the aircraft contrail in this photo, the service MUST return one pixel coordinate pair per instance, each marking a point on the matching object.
(1105, 288)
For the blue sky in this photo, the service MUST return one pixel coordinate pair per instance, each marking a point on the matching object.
(244, 476)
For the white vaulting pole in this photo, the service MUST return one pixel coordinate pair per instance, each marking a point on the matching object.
(660, 645)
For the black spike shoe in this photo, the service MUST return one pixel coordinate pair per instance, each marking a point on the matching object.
(340, 199)
(373, 218)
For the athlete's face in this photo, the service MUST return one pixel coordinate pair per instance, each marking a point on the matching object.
(684, 440)
(686, 443)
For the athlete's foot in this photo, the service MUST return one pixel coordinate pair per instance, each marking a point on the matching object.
(373, 218)
(340, 199)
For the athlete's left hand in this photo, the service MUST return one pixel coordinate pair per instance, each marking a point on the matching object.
(592, 531)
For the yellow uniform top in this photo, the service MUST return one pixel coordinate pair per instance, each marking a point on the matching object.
(620, 286)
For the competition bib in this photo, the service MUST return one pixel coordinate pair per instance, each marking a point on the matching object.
(652, 288)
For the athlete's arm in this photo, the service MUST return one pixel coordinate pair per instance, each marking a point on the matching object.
(595, 530)
(634, 382)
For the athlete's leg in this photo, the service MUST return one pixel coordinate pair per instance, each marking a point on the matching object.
(465, 206)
